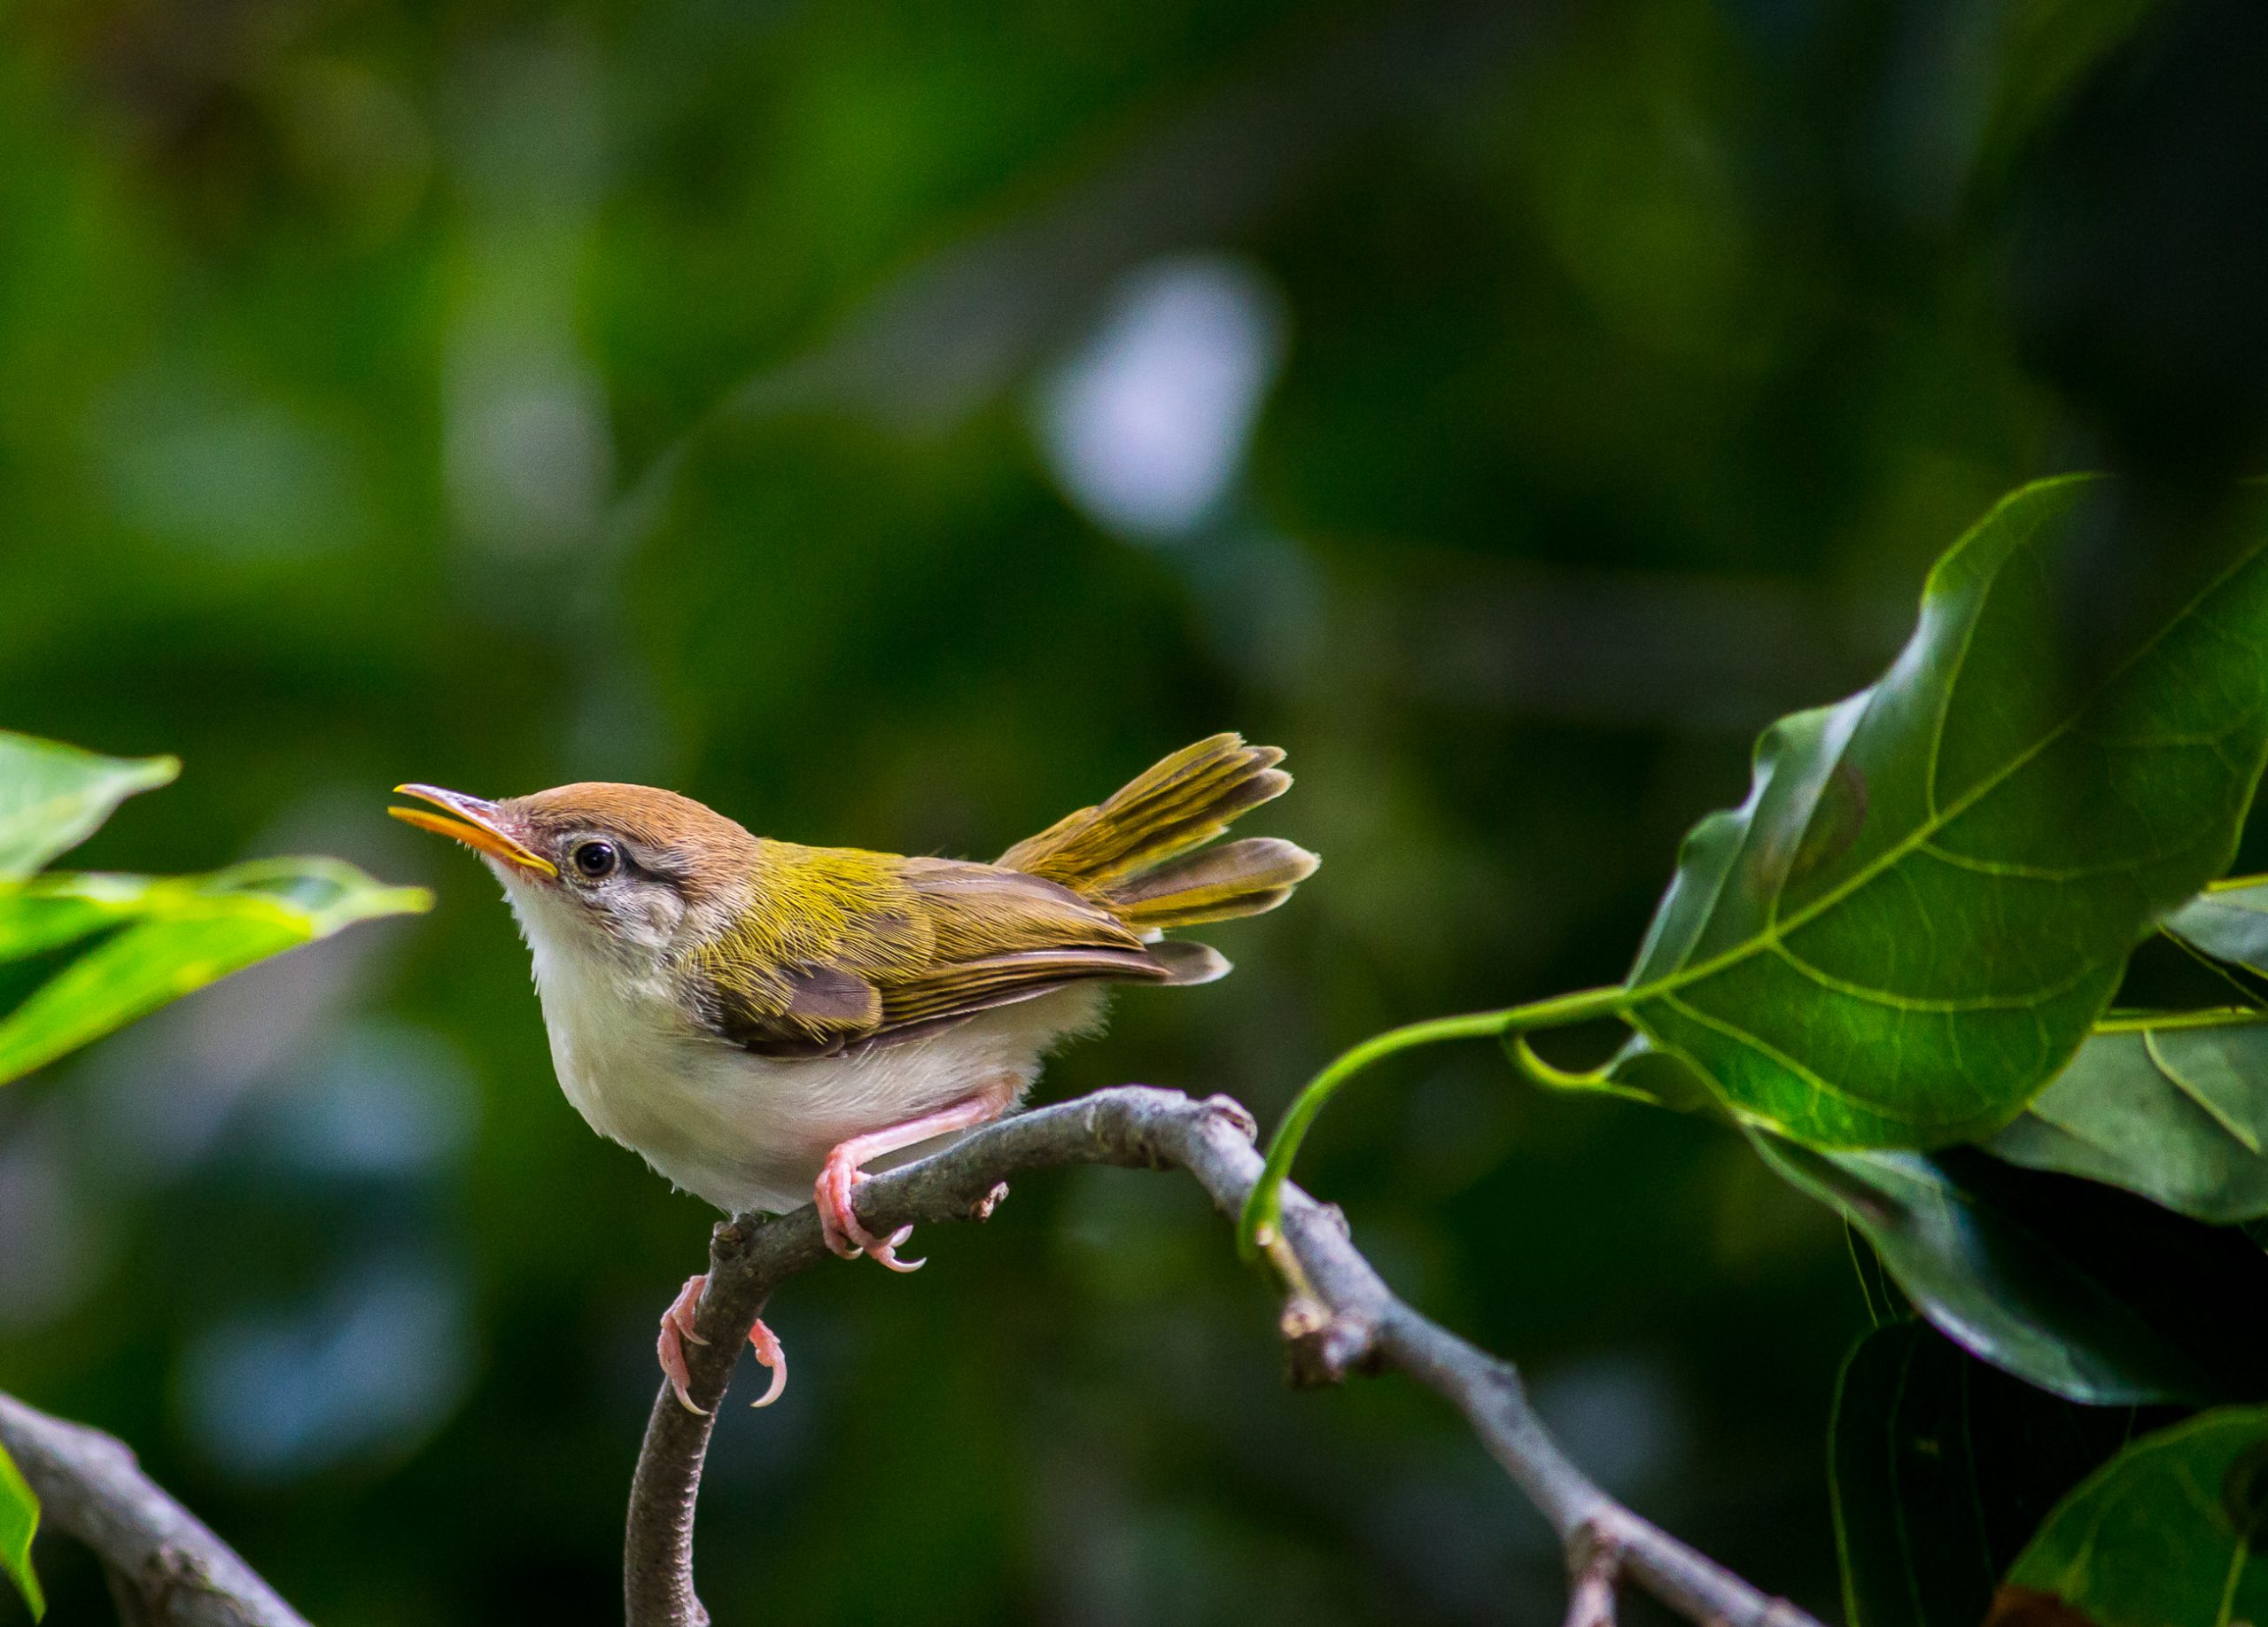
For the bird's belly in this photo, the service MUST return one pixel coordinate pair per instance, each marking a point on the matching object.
(746, 1132)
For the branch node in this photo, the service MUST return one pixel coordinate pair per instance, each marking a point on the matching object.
(982, 1210)
(1303, 1317)
(1235, 1111)
(729, 1240)
(1594, 1574)
(1323, 1348)
(169, 1571)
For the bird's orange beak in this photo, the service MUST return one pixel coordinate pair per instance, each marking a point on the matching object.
(472, 820)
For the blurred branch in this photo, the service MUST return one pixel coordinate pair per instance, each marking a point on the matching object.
(1340, 1317)
(167, 1569)
(1590, 1594)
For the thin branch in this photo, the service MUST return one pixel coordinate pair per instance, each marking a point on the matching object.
(165, 1567)
(1596, 1576)
(1340, 1317)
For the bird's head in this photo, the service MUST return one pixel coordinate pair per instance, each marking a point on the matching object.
(625, 871)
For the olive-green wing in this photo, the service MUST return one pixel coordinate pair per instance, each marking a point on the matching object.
(798, 973)
(1003, 937)
(846, 950)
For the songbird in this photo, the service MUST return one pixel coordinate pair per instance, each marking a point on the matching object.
(761, 1020)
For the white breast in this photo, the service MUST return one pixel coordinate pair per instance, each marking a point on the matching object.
(748, 1133)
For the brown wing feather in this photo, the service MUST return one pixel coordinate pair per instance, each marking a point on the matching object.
(1004, 937)
(835, 948)
(842, 949)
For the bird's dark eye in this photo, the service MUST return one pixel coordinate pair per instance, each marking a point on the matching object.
(596, 858)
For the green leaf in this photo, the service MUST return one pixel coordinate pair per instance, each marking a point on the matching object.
(1932, 888)
(2176, 1111)
(2228, 921)
(54, 797)
(1941, 1468)
(2172, 1532)
(2083, 1290)
(18, 1523)
(2048, 50)
(165, 937)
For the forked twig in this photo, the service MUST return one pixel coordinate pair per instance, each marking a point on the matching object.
(1340, 1318)
(165, 1567)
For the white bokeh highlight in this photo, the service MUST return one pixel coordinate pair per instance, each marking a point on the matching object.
(1146, 425)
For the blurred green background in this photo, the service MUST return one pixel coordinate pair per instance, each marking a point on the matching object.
(897, 424)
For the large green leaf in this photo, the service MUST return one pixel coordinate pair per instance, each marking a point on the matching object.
(18, 1523)
(2082, 1289)
(1931, 890)
(1942, 1467)
(53, 796)
(2172, 1532)
(2176, 1111)
(165, 938)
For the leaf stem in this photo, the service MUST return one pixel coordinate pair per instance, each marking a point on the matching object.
(2215, 1016)
(1263, 1207)
(1597, 1081)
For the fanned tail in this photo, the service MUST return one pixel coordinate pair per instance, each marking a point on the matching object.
(1220, 883)
(1135, 854)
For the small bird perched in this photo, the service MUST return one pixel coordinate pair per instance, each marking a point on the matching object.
(760, 1020)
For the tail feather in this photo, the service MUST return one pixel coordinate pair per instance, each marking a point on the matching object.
(1214, 884)
(1182, 803)
(1135, 854)
(1186, 962)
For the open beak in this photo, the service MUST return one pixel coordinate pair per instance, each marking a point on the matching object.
(472, 820)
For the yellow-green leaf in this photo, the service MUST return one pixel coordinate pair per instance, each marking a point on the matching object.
(18, 1523)
(54, 797)
(166, 938)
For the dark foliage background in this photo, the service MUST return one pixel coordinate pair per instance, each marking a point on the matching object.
(895, 424)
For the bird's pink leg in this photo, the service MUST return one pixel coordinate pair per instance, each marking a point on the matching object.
(841, 1175)
(677, 1326)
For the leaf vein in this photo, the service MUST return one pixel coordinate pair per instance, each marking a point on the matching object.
(1919, 1003)
(1772, 1053)
(1682, 977)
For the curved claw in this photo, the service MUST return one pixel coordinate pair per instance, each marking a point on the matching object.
(831, 1196)
(769, 1353)
(831, 1229)
(677, 1327)
(884, 1250)
(839, 1226)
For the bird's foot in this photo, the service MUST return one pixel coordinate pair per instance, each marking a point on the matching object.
(677, 1327)
(838, 1179)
